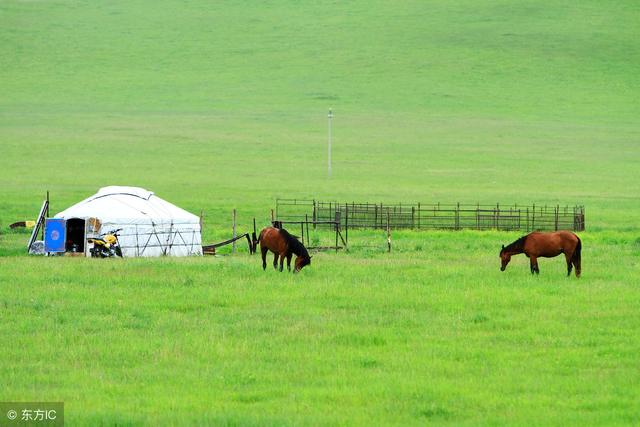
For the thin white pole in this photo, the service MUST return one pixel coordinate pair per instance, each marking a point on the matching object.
(330, 116)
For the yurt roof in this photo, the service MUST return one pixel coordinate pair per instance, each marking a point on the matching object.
(128, 204)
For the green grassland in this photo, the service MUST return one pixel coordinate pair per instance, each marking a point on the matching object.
(222, 106)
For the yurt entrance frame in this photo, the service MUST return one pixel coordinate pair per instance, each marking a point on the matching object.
(76, 234)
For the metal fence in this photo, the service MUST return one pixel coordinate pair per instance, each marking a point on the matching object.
(434, 216)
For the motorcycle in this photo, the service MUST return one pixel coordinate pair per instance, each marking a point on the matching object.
(106, 246)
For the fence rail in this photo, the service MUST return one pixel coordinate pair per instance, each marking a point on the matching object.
(434, 216)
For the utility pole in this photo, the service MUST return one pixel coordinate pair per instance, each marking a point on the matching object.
(330, 116)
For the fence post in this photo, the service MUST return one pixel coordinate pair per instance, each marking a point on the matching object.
(533, 217)
(497, 216)
(337, 223)
(557, 211)
(419, 226)
(388, 233)
(233, 245)
(346, 229)
(306, 221)
(458, 216)
(375, 216)
(413, 217)
(314, 214)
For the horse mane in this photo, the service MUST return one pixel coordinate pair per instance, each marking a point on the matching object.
(518, 245)
(294, 244)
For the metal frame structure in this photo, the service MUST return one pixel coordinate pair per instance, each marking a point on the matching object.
(433, 216)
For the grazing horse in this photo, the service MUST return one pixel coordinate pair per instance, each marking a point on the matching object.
(283, 245)
(547, 245)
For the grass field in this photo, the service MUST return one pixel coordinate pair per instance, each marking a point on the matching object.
(222, 106)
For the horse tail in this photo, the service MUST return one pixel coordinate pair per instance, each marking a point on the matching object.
(577, 255)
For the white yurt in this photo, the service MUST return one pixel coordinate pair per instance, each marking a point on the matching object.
(148, 225)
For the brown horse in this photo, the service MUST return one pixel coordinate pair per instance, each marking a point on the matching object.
(547, 245)
(283, 245)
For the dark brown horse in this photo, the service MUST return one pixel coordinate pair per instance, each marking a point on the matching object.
(547, 245)
(283, 245)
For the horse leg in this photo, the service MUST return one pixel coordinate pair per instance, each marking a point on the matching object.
(289, 261)
(263, 251)
(576, 264)
(569, 265)
(534, 265)
(282, 257)
(275, 260)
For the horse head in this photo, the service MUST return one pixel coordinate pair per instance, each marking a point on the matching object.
(505, 257)
(301, 262)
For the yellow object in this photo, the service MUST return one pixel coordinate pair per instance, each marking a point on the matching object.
(29, 224)
(110, 238)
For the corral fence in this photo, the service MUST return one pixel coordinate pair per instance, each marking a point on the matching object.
(433, 216)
